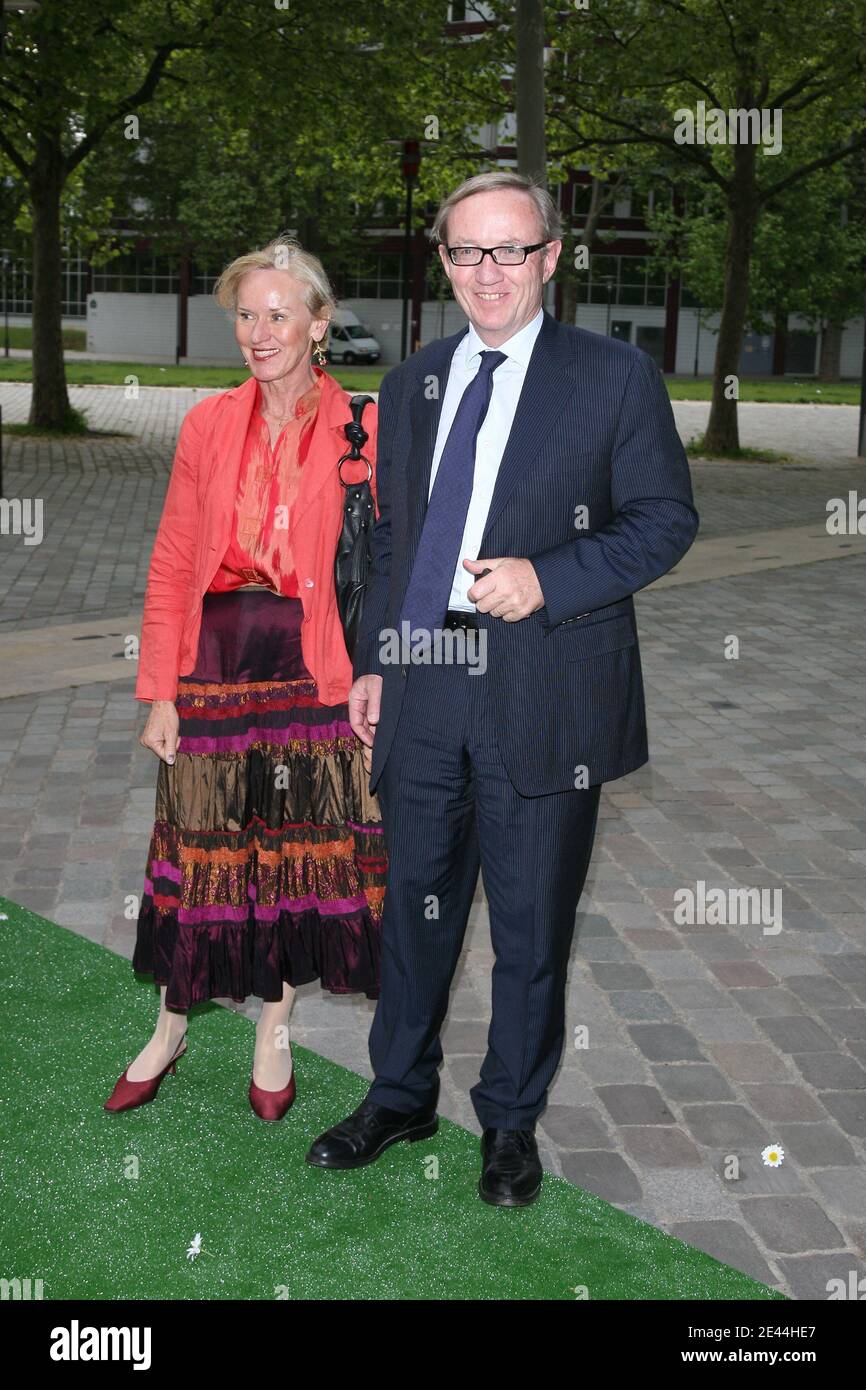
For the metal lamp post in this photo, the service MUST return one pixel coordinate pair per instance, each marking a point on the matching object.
(411, 165)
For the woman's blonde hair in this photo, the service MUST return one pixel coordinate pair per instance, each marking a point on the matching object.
(283, 253)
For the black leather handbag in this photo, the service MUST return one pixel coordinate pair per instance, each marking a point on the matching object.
(352, 560)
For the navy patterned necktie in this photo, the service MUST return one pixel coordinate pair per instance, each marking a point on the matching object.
(426, 600)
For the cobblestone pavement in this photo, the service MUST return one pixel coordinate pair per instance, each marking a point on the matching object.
(703, 1043)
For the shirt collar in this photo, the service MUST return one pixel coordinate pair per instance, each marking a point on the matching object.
(518, 347)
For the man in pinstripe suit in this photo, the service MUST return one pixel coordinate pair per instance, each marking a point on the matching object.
(563, 489)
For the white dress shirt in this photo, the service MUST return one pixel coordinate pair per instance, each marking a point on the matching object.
(492, 437)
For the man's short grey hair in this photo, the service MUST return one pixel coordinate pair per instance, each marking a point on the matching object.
(548, 214)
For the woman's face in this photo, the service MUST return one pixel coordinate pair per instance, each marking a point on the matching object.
(273, 326)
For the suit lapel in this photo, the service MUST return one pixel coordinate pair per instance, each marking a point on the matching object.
(547, 390)
(425, 410)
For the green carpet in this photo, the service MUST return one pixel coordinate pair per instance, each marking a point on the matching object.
(103, 1206)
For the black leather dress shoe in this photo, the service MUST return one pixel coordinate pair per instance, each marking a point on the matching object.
(367, 1133)
(510, 1168)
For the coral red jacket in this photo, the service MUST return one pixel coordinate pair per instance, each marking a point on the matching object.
(195, 529)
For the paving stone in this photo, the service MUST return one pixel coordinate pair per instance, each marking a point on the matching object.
(727, 1242)
(610, 975)
(712, 1026)
(776, 1102)
(769, 1003)
(696, 994)
(464, 1071)
(788, 1224)
(652, 1146)
(635, 1105)
(817, 990)
(713, 1124)
(816, 1145)
(814, 1277)
(37, 900)
(606, 1174)
(747, 1061)
(670, 965)
(742, 974)
(692, 1081)
(666, 1042)
(845, 1023)
(612, 1065)
(640, 1004)
(851, 966)
(844, 1190)
(797, 1034)
(576, 1127)
(649, 939)
(848, 1109)
(464, 1036)
(743, 1172)
(36, 876)
(830, 1070)
(686, 1194)
(856, 1233)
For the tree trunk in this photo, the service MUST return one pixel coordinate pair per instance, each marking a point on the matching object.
(568, 302)
(722, 434)
(529, 93)
(49, 405)
(780, 342)
(831, 352)
(600, 196)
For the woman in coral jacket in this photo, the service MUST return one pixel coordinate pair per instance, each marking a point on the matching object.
(266, 867)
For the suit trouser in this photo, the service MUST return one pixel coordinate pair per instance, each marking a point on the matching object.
(447, 806)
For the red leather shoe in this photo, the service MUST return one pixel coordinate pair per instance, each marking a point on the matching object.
(272, 1105)
(128, 1094)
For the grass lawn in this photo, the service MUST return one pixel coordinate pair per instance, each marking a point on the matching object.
(774, 391)
(75, 339)
(148, 374)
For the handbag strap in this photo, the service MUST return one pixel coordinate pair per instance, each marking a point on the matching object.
(354, 428)
(357, 437)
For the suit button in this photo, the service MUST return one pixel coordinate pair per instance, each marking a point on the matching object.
(308, 583)
(403, 671)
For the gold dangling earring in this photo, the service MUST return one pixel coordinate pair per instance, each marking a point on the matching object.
(319, 355)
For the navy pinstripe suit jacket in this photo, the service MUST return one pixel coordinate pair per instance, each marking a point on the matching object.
(594, 428)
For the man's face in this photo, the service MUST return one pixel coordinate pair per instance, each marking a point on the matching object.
(498, 299)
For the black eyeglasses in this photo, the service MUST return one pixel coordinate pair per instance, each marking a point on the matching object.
(500, 255)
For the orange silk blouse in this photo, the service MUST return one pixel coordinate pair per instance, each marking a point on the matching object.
(259, 551)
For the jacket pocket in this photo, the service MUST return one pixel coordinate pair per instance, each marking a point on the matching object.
(572, 640)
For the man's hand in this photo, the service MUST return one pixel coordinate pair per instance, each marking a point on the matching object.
(511, 591)
(365, 697)
(160, 733)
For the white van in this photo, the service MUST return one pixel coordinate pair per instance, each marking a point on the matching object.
(349, 341)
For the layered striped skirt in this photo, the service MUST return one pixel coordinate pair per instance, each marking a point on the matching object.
(266, 862)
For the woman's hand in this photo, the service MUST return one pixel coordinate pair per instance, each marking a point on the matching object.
(161, 730)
